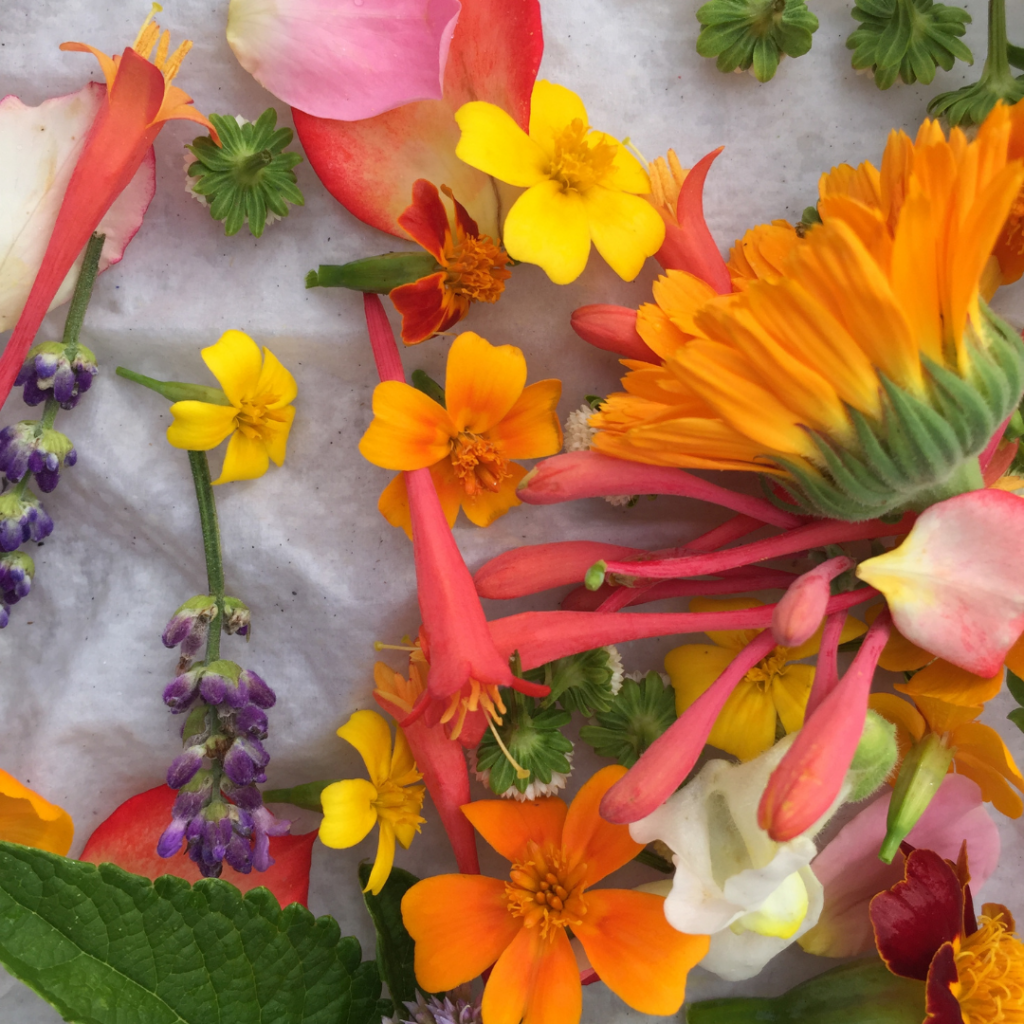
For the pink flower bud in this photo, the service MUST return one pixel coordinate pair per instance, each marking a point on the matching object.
(612, 328)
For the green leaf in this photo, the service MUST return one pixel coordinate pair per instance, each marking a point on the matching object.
(104, 947)
(1017, 717)
(580, 682)
(1015, 685)
(640, 713)
(394, 944)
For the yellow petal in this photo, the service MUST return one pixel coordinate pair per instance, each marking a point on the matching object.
(403, 766)
(852, 628)
(493, 143)
(483, 508)
(625, 228)
(349, 813)
(385, 859)
(901, 713)
(276, 384)
(482, 383)
(200, 426)
(693, 668)
(746, 725)
(552, 109)
(734, 639)
(942, 716)
(409, 430)
(626, 173)
(549, 227)
(530, 429)
(26, 818)
(790, 690)
(245, 459)
(236, 362)
(368, 732)
(393, 504)
(275, 435)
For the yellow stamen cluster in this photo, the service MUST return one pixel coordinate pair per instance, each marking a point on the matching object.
(667, 177)
(400, 804)
(254, 413)
(546, 889)
(478, 464)
(577, 163)
(470, 698)
(767, 670)
(990, 965)
(150, 36)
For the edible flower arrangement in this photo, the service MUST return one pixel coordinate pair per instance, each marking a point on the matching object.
(803, 442)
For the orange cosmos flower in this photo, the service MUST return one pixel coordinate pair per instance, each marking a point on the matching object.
(472, 266)
(489, 418)
(462, 924)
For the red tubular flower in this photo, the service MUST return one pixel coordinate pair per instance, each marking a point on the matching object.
(140, 98)
(925, 928)
(473, 266)
(612, 328)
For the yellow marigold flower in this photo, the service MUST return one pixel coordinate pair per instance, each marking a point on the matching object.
(258, 419)
(860, 363)
(389, 799)
(489, 418)
(581, 185)
(774, 690)
(26, 818)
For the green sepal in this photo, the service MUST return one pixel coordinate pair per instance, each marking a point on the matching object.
(640, 713)
(580, 682)
(907, 39)
(105, 946)
(745, 34)
(971, 104)
(394, 943)
(176, 391)
(306, 795)
(378, 274)
(248, 175)
(18, 560)
(422, 381)
(533, 737)
(861, 992)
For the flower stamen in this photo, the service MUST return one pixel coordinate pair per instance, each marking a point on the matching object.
(546, 889)
(579, 164)
(990, 965)
(478, 464)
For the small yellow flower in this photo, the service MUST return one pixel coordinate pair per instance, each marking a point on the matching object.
(353, 806)
(26, 818)
(774, 690)
(581, 185)
(260, 391)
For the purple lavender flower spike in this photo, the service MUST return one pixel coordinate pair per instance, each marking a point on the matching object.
(252, 721)
(222, 682)
(22, 519)
(185, 765)
(245, 760)
(239, 854)
(259, 693)
(181, 691)
(172, 838)
(31, 395)
(49, 372)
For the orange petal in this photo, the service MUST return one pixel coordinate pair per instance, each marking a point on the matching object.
(483, 382)
(907, 719)
(587, 837)
(423, 305)
(486, 506)
(535, 981)
(509, 825)
(1015, 657)
(393, 504)
(409, 430)
(946, 682)
(531, 429)
(900, 655)
(636, 952)
(29, 819)
(460, 924)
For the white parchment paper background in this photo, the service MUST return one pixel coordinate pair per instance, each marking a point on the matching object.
(81, 665)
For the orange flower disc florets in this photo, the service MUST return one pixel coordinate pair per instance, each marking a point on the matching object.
(478, 464)
(475, 267)
(576, 163)
(546, 889)
(990, 965)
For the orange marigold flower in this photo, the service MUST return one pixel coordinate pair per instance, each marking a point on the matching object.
(462, 924)
(472, 266)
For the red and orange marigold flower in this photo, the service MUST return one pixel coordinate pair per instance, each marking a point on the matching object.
(462, 924)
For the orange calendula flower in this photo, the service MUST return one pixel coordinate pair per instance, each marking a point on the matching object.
(26, 818)
(472, 266)
(489, 418)
(462, 924)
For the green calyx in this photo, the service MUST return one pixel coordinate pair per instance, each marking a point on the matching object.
(925, 447)
(18, 560)
(875, 757)
(532, 735)
(247, 177)
(378, 274)
(306, 795)
(639, 714)
(580, 682)
(745, 34)
(175, 390)
(971, 104)
(907, 39)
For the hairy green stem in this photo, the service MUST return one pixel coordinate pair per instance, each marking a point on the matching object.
(211, 546)
(50, 411)
(83, 292)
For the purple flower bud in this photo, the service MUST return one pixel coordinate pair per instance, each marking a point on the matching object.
(181, 691)
(64, 383)
(28, 446)
(237, 617)
(239, 854)
(259, 693)
(172, 838)
(16, 570)
(5, 616)
(184, 766)
(190, 624)
(49, 372)
(266, 825)
(248, 798)
(31, 395)
(222, 682)
(244, 761)
(193, 796)
(252, 721)
(22, 519)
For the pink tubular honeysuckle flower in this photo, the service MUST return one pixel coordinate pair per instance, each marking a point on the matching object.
(811, 774)
(851, 872)
(612, 328)
(799, 613)
(826, 673)
(587, 474)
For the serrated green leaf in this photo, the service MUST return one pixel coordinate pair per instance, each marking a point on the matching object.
(107, 947)
(394, 944)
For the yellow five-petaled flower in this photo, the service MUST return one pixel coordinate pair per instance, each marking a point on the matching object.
(260, 392)
(353, 806)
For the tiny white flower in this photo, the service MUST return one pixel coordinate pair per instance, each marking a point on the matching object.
(534, 790)
(578, 434)
(615, 664)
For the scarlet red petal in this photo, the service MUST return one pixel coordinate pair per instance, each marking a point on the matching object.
(423, 305)
(129, 836)
(462, 217)
(941, 1005)
(426, 219)
(916, 916)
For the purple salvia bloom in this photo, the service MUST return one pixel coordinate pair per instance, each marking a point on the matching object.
(239, 854)
(259, 693)
(244, 761)
(181, 691)
(172, 837)
(222, 682)
(5, 615)
(48, 372)
(185, 765)
(266, 825)
(252, 721)
(22, 519)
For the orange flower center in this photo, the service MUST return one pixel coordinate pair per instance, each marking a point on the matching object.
(478, 464)
(767, 670)
(475, 268)
(546, 889)
(254, 413)
(1014, 234)
(577, 163)
(472, 697)
(990, 965)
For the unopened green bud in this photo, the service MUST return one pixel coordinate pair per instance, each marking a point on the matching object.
(307, 795)
(875, 758)
(375, 273)
(921, 774)
(595, 575)
(175, 390)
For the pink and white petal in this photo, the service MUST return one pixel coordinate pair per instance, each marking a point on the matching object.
(347, 61)
(48, 140)
(955, 586)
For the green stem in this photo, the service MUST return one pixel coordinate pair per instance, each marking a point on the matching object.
(83, 292)
(50, 411)
(211, 545)
(997, 63)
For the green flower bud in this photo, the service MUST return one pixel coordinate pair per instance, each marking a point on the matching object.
(875, 758)
(375, 273)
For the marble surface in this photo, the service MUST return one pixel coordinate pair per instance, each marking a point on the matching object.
(81, 665)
